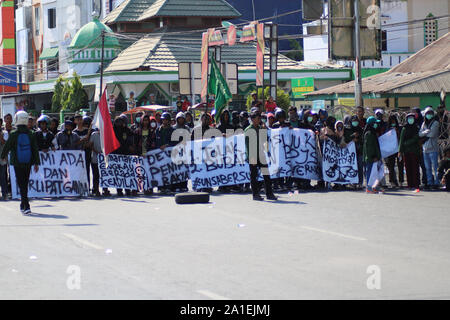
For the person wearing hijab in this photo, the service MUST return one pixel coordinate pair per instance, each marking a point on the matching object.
(184, 132)
(371, 149)
(392, 124)
(430, 147)
(189, 120)
(409, 150)
(225, 123)
(354, 133)
(419, 121)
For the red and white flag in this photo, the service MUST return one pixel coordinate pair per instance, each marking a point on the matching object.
(102, 121)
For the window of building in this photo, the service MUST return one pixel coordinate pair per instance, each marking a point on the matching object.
(430, 30)
(51, 18)
(37, 20)
(383, 40)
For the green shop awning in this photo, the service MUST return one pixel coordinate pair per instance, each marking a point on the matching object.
(49, 53)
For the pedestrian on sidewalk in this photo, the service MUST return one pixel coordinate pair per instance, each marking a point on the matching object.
(24, 154)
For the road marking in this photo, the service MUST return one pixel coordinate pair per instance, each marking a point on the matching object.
(212, 295)
(291, 228)
(334, 233)
(82, 241)
(6, 208)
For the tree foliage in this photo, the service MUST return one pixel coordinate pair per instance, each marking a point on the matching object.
(283, 100)
(69, 95)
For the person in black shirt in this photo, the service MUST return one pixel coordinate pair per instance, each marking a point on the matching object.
(44, 137)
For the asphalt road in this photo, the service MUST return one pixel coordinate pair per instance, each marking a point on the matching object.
(335, 245)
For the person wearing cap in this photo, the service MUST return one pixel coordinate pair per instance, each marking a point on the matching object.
(67, 139)
(409, 150)
(44, 137)
(430, 147)
(23, 158)
(256, 158)
(371, 150)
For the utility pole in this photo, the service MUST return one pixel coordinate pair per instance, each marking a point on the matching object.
(101, 65)
(358, 81)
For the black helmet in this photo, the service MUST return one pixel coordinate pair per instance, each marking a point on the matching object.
(166, 116)
(244, 114)
(87, 120)
(280, 113)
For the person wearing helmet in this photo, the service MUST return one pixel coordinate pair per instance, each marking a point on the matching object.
(280, 116)
(243, 117)
(430, 147)
(23, 157)
(44, 137)
(371, 150)
(409, 150)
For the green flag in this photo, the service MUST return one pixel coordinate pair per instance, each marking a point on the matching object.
(219, 87)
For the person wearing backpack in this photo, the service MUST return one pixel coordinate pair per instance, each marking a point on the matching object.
(24, 154)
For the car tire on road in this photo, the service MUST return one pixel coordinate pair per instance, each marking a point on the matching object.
(192, 197)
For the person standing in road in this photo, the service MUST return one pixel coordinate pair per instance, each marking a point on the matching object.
(430, 131)
(409, 150)
(371, 149)
(24, 154)
(256, 158)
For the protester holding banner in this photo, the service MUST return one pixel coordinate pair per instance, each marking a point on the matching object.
(430, 131)
(225, 123)
(392, 124)
(409, 150)
(23, 157)
(67, 139)
(355, 133)
(256, 158)
(371, 149)
(96, 147)
(164, 140)
(44, 137)
(126, 139)
(184, 133)
(145, 136)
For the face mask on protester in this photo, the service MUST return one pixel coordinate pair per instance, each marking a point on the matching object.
(375, 125)
(393, 125)
(138, 120)
(310, 119)
(153, 124)
(410, 120)
(355, 123)
(429, 116)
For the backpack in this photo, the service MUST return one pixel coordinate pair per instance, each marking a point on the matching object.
(23, 148)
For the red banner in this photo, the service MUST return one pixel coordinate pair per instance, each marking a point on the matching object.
(260, 54)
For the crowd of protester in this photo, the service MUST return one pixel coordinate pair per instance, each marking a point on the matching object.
(426, 164)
